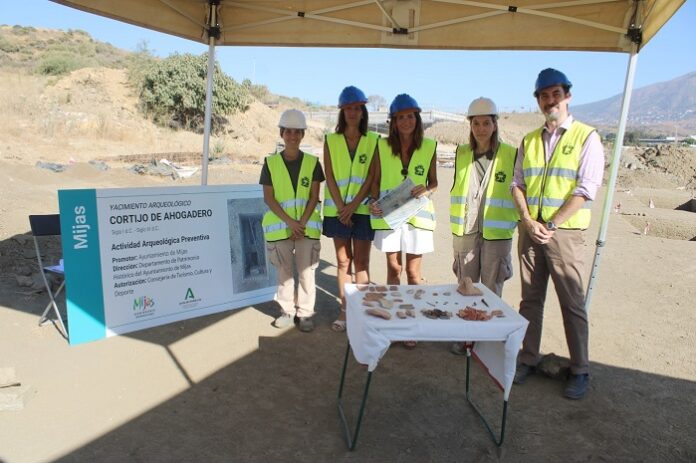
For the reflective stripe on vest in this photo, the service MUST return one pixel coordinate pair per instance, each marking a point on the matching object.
(500, 216)
(349, 174)
(391, 177)
(550, 185)
(293, 203)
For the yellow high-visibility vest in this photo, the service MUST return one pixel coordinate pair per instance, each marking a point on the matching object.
(350, 174)
(550, 185)
(293, 202)
(391, 177)
(500, 216)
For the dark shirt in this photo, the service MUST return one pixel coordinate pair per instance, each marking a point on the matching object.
(293, 169)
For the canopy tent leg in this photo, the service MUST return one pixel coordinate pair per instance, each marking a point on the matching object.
(615, 163)
(213, 33)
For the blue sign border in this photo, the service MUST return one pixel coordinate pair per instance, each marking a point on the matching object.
(83, 278)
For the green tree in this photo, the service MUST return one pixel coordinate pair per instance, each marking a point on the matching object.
(173, 93)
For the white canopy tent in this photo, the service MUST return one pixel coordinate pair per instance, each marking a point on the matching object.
(589, 25)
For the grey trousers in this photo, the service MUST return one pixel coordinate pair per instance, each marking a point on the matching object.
(479, 259)
(562, 260)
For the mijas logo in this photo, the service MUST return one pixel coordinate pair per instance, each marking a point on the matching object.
(143, 306)
(143, 303)
(190, 298)
(305, 181)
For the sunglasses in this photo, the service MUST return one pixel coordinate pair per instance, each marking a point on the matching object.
(404, 172)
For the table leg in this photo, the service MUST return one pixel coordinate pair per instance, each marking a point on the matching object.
(498, 441)
(351, 439)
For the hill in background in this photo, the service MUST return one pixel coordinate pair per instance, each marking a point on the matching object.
(36, 50)
(661, 108)
(92, 111)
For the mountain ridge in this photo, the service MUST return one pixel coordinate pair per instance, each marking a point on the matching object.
(662, 107)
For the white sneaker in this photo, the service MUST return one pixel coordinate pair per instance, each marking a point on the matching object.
(283, 321)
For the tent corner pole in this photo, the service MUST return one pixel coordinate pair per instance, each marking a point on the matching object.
(208, 95)
(614, 170)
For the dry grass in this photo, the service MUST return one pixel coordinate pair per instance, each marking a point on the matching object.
(92, 114)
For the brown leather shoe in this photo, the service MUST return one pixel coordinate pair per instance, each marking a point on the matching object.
(522, 372)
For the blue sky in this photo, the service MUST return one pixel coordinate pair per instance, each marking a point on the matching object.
(446, 80)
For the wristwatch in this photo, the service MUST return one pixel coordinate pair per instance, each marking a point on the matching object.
(551, 226)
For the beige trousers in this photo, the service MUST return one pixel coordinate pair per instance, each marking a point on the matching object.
(286, 255)
(562, 260)
(484, 260)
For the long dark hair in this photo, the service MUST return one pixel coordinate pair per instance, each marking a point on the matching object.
(495, 141)
(341, 126)
(393, 139)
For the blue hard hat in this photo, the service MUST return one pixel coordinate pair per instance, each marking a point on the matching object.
(351, 95)
(549, 77)
(403, 102)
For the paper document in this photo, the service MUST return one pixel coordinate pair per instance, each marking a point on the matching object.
(398, 205)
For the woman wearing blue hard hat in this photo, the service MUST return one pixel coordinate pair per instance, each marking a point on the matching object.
(348, 154)
(405, 154)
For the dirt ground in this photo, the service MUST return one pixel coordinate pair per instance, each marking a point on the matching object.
(230, 387)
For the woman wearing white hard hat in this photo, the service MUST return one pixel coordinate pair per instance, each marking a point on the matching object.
(292, 226)
(406, 153)
(348, 157)
(483, 217)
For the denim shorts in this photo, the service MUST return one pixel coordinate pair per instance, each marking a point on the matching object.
(361, 229)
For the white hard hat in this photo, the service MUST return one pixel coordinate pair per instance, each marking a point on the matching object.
(482, 107)
(292, 119)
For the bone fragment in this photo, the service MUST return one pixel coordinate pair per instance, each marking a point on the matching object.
(381, 313)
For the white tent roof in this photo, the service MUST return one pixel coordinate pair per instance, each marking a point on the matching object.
(593, 25)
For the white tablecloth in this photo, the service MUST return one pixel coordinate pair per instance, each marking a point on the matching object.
(497, 340)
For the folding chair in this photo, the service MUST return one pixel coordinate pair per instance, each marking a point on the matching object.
(48, 225)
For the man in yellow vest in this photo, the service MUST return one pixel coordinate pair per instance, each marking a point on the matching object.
(292, 225)
(483, 217)
(558, 171)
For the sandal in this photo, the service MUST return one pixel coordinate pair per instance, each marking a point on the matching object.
(339, 326)
(410, 345)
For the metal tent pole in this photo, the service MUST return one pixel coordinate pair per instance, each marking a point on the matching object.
(615, 163)
(213, 33)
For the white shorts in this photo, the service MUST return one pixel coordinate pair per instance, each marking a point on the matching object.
(408, 239)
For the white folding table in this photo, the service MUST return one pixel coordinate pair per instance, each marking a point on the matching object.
(495, 342)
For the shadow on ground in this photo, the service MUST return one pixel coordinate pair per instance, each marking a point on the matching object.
(278, 403)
